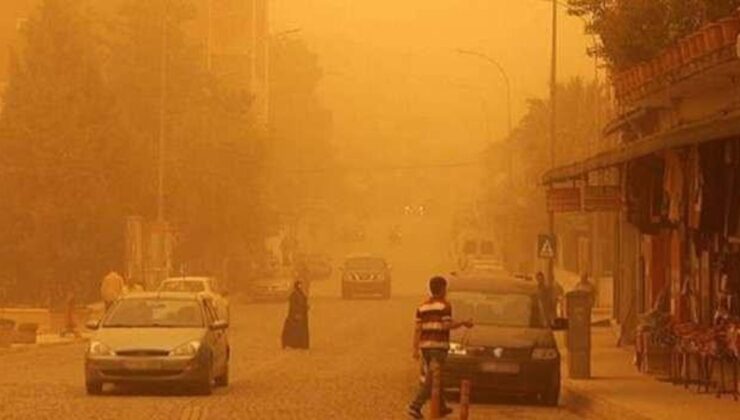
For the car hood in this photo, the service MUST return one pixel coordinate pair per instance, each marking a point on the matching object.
(506, 337)
(147, 338)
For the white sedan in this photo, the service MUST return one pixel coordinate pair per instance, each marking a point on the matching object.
(207, 285)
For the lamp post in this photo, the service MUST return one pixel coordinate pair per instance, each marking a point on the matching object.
(503, 73)
(553, 126)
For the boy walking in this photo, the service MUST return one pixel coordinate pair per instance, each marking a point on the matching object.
(432, 341)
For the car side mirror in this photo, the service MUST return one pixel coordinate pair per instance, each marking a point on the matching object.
(220, 325)
(560, 324)
(92, 324)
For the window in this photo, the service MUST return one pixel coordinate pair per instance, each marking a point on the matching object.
(144, 312)
(503, 310)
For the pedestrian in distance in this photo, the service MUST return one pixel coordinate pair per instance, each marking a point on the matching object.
(584, 285)
(111, 288)
(295, 329)
(432, 341)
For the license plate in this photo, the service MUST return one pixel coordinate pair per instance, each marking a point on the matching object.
(141, 364)
(499, 367)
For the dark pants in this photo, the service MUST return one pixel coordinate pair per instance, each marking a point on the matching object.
(425, 389)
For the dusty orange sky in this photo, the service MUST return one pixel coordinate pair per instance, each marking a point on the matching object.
(393, 76)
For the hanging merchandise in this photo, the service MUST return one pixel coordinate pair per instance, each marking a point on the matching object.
(673, 184)
(695, 184)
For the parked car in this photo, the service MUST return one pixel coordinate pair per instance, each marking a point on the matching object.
(317, 265)
(159, 337)
(273, 286)
(208, 285)
(511, 350)
(366, 275)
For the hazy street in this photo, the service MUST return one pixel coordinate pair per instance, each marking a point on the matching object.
(359, 367)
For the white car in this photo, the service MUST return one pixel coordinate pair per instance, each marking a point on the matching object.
(204, 285)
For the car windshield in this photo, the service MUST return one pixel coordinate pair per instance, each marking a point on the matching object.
(365, 264)
(183, 286)
(503, 310)
(143, 313)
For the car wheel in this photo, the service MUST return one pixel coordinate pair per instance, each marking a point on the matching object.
(387, 291)
(94, 387)
(345, 292)
(204, 385)
(223, 380)
(551, 397)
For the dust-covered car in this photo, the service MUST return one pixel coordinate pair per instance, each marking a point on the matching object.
(511, 350)
(208, 285)
(366, 275)
(273, 286)
(159, 337)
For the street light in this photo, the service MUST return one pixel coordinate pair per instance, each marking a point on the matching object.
(505, 76)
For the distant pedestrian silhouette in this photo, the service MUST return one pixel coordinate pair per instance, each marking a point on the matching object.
(295, 329)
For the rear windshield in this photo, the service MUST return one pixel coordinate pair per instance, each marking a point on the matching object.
(183, 286)
(143, 313)
(365, 264)
(502, 310)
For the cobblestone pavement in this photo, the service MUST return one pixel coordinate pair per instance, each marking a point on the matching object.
(359, 367)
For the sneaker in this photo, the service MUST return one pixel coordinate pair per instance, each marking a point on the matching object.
(414, 413)
(445, 411)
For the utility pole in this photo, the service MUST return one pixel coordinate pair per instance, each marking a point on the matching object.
(162, 120)
(553, 125)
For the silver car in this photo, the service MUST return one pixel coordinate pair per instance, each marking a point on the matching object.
(208, 285)
(159, 337)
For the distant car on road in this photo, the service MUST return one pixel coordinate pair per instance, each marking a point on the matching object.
(318, 265)
(366, 275)
(207, 285)
(511, 350)
(275, 285)
(159, 337)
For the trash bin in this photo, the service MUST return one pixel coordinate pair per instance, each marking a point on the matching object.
(578, 337)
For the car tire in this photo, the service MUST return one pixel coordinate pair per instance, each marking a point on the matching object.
(387, 291)
(223, 380)
(94, 387)
(204, 385)
(551, 397)
(345, 292)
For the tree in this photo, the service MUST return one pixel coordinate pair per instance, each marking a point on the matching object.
(633, 31)
(300, 126)
(59, 140)
(211, 151)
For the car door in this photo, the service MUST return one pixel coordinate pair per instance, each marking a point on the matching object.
(219, 336)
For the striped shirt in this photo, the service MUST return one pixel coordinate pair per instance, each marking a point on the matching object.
(432, 319)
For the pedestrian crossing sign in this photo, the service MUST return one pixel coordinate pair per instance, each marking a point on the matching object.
(546, 246)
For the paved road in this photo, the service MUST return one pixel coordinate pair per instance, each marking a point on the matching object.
(359, 368)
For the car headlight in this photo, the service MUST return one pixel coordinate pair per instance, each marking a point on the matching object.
(188, 349)
(457, 349)
(545, 354)
(97, 348)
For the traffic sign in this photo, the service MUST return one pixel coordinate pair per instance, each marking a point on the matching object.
(547, 246)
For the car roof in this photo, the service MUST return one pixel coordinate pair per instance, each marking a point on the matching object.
(492, 285)
(358, 256)
(191, 279)
(163, 295)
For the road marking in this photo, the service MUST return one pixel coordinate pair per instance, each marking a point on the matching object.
(194, 412)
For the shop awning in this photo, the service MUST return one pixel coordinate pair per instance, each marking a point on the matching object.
(726, 126)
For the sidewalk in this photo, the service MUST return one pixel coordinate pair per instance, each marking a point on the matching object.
(618, 390)
(46, 340)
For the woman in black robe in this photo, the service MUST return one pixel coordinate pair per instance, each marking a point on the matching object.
(295, 329)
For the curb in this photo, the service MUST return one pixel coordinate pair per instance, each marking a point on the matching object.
(39, 346)
(589, 405)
